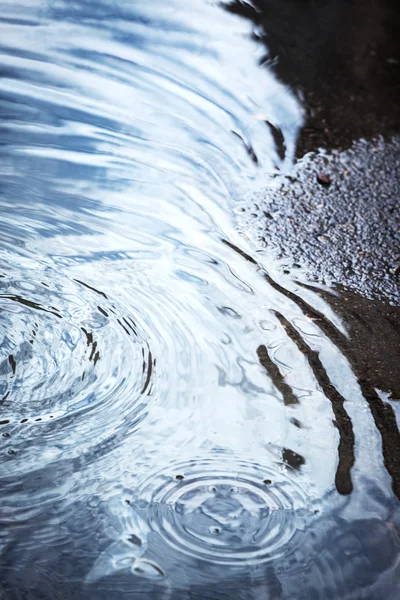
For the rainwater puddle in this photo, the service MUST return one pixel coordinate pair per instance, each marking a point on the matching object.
(177, 421)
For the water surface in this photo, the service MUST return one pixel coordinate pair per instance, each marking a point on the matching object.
(177, 422)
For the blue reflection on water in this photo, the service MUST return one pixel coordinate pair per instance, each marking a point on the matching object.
(144, 445)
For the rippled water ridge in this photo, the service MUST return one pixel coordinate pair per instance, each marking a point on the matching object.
(176, 422)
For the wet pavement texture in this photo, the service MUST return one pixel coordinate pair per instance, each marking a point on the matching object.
(183, 414)
(336, 216)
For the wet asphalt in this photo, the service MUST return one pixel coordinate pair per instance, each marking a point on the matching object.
(335, 218)
(342, 58)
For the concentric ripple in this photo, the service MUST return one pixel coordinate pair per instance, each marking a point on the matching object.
(73, 362)
(165, 396)
(226, 516)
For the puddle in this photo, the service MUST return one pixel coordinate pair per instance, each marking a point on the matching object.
(179, 419)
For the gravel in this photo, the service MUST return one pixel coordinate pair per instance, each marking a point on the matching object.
(336, 216)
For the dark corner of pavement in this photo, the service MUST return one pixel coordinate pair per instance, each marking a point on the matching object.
(336, 218)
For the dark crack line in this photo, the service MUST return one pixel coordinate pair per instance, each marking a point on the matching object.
(342, 420)
(13, 364)
(382, 412)
(385, 421)
(240, 252)
(30, 303)
(89, 287)
(276, 376)
(249, 149)
(149, 373)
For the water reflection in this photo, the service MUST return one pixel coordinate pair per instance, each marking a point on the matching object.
(167, 405)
